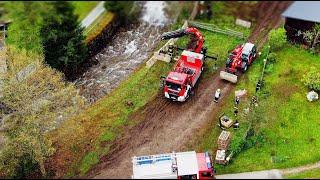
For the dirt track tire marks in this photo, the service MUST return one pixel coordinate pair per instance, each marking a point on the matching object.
(268, 18)
(166, 126)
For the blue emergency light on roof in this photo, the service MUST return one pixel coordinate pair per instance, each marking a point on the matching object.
(152, 159)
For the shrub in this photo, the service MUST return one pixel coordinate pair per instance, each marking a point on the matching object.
(312, 79)
(237, 145)
(277, 38)
(269, 69)
(272, 58)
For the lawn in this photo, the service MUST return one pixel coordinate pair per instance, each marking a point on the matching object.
(311, 174)
(288, 125)
(83, 8)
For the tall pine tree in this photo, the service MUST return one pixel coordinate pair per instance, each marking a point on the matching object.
(62, 38)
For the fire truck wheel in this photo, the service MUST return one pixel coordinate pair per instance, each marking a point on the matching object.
(191, 92)
(244, 67)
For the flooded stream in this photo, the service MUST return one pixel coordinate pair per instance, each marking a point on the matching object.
(127, 50)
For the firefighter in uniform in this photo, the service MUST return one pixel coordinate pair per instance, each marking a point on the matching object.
(171, 51)
(217, 95)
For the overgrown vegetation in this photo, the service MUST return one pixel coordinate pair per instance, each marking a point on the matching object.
(312, 79)
(27, 18)
(36, 96)
(285, 118)
(39, 101)
(89, 135)
(313, 37)
(47, 28)
(277, 38)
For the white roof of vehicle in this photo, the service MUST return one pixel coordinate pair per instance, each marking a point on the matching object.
(247, 47)
(160, 166)
(187, 163)
(157, 170)
(192, 54)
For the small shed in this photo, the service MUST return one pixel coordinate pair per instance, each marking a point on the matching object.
(301, 16)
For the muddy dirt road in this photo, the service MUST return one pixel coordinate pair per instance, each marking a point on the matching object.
(268, 17)
(167, 126)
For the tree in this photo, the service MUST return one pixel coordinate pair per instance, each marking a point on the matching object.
(312, 36)
(317, 34)
(38, 103)
(62, 38)
(25, 149)
(26, 18)
(277, 38)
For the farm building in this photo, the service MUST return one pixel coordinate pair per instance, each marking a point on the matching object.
(301, 16)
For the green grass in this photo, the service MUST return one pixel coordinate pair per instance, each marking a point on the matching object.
(106, 119)
(310, 174)
(289, 123)
(83, 8)
(95, 128)
(98, 25)
(89, 160)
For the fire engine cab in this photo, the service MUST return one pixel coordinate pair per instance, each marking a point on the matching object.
(179, 83)
(180, 165)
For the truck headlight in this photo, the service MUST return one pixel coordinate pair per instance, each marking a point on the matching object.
(181, 98)
(166, 95)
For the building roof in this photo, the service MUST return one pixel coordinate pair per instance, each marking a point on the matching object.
(304, 10)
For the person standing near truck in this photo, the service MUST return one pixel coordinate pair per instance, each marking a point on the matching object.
(217, 95)
(236, 111)
(236, 101)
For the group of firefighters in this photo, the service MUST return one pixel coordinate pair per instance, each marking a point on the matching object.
(253, 102)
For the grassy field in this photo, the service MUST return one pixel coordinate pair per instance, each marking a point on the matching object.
(83, 8)
(86, 137)
(95, 129)
(311, 174)
(288, 125)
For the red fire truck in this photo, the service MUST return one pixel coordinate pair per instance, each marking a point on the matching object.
(180, 82)
(180, 165)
